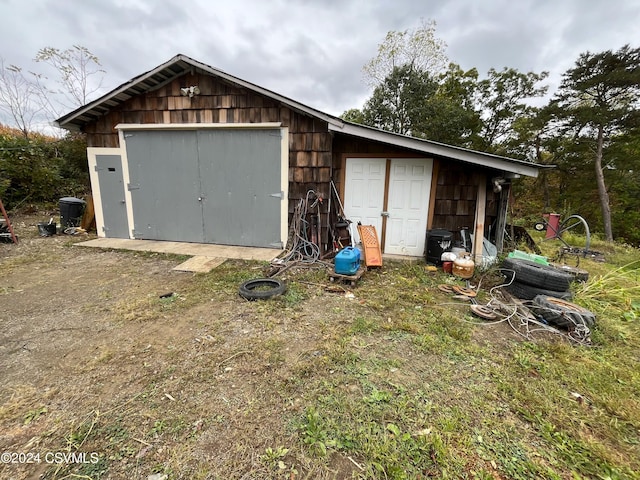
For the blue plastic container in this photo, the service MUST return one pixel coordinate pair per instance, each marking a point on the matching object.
(347, 261)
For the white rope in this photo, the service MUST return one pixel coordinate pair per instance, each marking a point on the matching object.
(579, 334)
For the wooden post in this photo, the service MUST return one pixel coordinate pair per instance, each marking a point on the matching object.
(385, 204)
(432, 193)
(478, 232)
(501, 222)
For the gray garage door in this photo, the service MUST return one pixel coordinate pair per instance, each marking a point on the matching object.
(211, 186)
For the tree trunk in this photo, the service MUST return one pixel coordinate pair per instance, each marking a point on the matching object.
(602, 189)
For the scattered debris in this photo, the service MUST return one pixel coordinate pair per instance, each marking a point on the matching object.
(463, 267)
(578, 252)
(74, 231)
(47, 229)
(304, 236)
(7, 234)
(158, 476)
(468, 292)
(445, 288)
(484, 312)
(464, 298)
(335, 289)
(360, 467)
(524, 322)
(578, 397)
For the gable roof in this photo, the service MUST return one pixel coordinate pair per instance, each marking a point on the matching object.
(181, 64)
(160, 76)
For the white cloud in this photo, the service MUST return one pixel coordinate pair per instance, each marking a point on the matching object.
(313, 51)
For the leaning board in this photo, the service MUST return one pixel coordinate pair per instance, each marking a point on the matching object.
(370, 245)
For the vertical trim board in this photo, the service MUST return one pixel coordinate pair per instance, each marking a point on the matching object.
(92, 152)
(126, 179)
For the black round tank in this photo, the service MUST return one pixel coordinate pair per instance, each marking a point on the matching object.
(438, 242)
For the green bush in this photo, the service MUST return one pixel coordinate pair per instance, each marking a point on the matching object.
(41, 169)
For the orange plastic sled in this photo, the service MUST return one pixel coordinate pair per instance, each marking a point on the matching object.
(370, 245)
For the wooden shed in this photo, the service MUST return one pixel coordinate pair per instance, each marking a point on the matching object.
(186, 152)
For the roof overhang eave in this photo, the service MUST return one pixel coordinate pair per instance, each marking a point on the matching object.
(437, 149)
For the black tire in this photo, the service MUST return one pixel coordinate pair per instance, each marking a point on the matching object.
(578, 274)
(537, 275)
(529, 292)
(562, 313)
(262, 288)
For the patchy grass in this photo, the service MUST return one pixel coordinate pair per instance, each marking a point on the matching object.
(399, 382)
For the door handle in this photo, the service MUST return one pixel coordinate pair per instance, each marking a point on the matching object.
(384, 214)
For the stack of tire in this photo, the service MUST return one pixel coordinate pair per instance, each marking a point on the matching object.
(548, 287)
(529, 279)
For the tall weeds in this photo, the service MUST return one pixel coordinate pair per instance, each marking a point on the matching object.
(615, 292)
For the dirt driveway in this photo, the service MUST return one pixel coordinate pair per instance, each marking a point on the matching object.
(93, 360)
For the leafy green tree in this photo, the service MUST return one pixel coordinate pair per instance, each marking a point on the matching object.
(597, 104)
(414, 102)
(455, 107)
(502, 99)
(74, 169)
(454, 118)
(353, 115)
(398, 104)
(623, 184)
(419, 48)
(533, 137)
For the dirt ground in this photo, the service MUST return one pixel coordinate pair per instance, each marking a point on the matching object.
(199, 384)
(92, 358)
(113, 366)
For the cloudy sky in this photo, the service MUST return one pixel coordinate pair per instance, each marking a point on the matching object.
(313, 51)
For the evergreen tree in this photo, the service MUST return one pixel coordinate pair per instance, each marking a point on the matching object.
(597, 104)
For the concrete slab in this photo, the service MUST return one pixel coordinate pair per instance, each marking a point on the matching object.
(200, 264)
(401, 258)
(183, 248)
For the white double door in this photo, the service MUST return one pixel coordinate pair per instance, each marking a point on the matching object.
(393, 195)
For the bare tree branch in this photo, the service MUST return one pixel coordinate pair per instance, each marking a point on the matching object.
(18, 97)
(79, 74)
